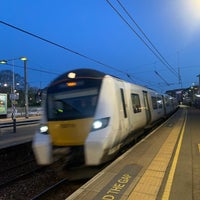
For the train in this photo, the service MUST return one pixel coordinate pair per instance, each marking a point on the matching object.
(89, 115)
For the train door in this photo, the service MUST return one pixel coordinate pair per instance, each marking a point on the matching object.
(147, 108)
(123, 114)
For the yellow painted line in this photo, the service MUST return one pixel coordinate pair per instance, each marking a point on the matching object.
(199, 147)
(150, 182)
(168, 185)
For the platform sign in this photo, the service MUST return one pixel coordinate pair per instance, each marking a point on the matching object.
(3, 104)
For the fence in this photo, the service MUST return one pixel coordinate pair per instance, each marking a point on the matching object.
(20, 112)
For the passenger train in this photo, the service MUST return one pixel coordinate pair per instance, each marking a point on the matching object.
(89, 116)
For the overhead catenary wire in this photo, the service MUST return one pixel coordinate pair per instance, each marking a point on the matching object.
(34, 69)
(67, 49)
(162, 78)
(151, 47)
(63, 47)
(147, 38)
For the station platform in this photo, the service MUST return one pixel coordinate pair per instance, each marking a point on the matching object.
(23, 133)
(164, 165)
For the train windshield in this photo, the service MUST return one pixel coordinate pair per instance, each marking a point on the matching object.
(73, 104)
(75, 97)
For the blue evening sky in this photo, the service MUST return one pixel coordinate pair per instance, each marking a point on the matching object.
(92, 28)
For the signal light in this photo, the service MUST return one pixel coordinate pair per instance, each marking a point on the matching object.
(71, 84)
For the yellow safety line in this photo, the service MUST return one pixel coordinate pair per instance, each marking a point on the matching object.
(168, 185)
(199, 147)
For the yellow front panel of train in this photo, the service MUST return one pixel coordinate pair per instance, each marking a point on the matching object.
(69, 133)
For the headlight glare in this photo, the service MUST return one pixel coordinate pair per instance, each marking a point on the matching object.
(100, 123)
(97, 124)
(44, 129)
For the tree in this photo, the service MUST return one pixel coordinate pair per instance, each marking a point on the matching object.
(6, 77)
(6, 86)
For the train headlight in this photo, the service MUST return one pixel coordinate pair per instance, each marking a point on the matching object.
(44, 129)
(100, 123)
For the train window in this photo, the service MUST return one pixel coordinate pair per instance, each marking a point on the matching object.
(154, 103)
(136, 103)
(167, 103)
(159, 102)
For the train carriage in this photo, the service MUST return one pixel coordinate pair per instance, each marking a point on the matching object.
(90, 115)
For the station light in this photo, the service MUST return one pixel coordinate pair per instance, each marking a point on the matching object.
(3, 62)
(23, 58)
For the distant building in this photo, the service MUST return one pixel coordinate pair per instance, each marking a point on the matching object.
(187, 96)
(177, 93)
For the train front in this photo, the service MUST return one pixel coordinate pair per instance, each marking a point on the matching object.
(69, 111)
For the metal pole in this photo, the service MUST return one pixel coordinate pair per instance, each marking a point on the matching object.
(26, 88)
(14, 120)
(13, 100)
(199, 84)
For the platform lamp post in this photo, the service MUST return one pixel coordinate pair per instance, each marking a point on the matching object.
(25, 85)
(12, 95)
(25, 88)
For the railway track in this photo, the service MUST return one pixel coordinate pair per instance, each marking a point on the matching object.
(22, 178)
(50, 189)
(39, 183)
(19, 123)
(16, 162)
(15, 155)
(60, 190)
(21, 171)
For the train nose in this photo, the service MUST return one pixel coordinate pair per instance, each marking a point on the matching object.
(70, 133)
(42, 148)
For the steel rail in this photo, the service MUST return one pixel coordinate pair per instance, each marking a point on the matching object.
(50, 189)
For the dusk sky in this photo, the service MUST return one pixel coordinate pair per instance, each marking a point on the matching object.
(96, 35)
